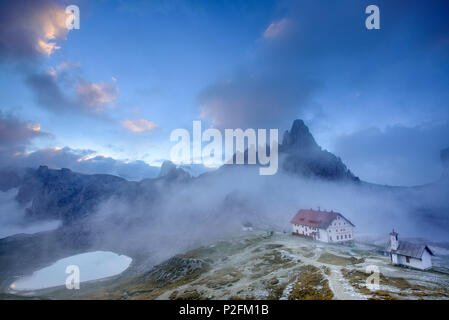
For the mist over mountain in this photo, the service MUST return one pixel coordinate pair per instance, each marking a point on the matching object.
(160, 217)
(116, 160)
(68, 196)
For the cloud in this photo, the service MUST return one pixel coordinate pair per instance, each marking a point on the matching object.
(83, 161)
(13, 219)
(62, 89)
(13, 131)
(267, 100)
(48, 92)
(398, 155)
(139, 125)
(31, 28)
(15, 135)
(62, 67)
(96, 95)
(276, 29)
(47, 47)
(325, 67)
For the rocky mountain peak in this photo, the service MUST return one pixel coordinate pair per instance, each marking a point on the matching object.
(303, 156)
(170, 172)
(42, 171)
(167, 168)
(299, 137)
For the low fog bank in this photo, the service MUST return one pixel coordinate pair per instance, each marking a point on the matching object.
(12, 217)
(170, 217)
(156, 218)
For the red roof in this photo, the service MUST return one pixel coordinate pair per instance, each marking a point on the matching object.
(316, 219)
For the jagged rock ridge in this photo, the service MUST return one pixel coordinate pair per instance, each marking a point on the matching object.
(171, 172)
(302, 155)
(66, 195)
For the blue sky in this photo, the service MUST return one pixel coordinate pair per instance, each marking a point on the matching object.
(136, 70)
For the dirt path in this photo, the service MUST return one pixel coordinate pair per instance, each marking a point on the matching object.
(338, 285)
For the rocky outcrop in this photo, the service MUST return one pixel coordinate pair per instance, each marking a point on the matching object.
(299, 138)
(167, 168)
(65, 195)
(170, 172)
(69, 196)
(176, 268)
(300, 154)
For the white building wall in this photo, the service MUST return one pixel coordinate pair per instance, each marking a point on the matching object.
(304, 230)
(340, 230)
(424, 263)
(394, 243)
(394, 258)
(426, 260)
(323, 235)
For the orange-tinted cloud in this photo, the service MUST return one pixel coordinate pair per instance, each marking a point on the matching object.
(16, 135)
(36, 127)
(30, 29)
(96, 95)
(62, 88)
(139, 125)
